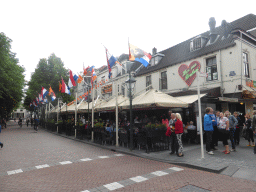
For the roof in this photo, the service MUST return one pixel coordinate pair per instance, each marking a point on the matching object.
(181, 52)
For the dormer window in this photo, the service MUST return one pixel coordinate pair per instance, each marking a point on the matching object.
(197, 43)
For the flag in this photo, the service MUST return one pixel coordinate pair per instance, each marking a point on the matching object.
(111, 60)
(137, 54)
(71, 80)
(80, 79)
(64, 88)
(40, 97)
(30, 105)
(75, 77)
(59, 87)
(52, 94)
(45, 100)
(44, 92)
(85, 70)
(91, 68)
(93, 77)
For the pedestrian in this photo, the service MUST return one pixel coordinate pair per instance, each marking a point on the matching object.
(223, 126)
(36, 123)
(208, 128)
(173, 138)
(32, 121)
(215, 132)
(249, 130)
(232, 127)
(27, 121)
(179, 132)
(254, 128)
(237, 131)
(1, 144)
(191, 132)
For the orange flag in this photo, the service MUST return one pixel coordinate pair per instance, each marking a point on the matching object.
(60, 87)
(80, 79)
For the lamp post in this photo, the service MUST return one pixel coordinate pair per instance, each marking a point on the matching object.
(131, 84)
(59, 106)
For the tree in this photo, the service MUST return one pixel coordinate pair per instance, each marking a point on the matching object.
(12, 78)
(47, 73)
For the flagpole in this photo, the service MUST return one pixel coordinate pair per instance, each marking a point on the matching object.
(117, 144)
(76, 112)
(92, 111)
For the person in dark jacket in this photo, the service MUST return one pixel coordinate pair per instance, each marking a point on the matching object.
(208, 128)
(232, 128)
(249, 130)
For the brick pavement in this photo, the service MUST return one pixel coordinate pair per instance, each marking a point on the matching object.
(45, 148)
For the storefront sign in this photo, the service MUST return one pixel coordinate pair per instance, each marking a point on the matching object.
(188, 73)
(234, 100)
(250, 83)
(106, 89)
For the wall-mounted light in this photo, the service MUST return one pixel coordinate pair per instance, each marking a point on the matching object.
(241, 103)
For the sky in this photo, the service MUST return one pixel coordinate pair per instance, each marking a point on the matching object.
(76, 30)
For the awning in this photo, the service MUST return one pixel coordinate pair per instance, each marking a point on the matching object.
(111, 104)
(190, 98)
(154, 98)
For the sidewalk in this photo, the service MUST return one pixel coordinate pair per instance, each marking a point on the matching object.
(240, 164)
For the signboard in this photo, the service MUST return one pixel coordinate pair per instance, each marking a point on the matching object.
(234, 100)
(188, 73)
(250, 83)
(106, 89)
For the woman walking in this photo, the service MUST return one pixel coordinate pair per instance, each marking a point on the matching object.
(223, 126)
(248, 126)
(179, 132)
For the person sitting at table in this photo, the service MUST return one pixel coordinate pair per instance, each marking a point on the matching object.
(136, 120)
(108, 128)
(145, 120)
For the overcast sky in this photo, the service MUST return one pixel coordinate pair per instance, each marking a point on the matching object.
(75, 30)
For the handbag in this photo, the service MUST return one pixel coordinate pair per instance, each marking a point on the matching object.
(245, 134)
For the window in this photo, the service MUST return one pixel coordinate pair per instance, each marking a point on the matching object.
(123, 89)
(195, 44)
(211, 69)
(246, 65)
(148, 81)
(163, 80)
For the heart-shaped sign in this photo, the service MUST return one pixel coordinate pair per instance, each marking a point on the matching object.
(188, 73)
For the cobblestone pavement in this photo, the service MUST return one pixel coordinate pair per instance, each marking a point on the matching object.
(43, 161)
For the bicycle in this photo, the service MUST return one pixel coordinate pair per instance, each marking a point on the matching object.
(20, 123)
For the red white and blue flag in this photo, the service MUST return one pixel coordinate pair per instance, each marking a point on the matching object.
(137, 54)
(44, 92)
(64, 88)
(111, 60)
(71, 81)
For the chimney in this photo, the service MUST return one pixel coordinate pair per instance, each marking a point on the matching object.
(213, 34)
(154, 51)
(225, 25)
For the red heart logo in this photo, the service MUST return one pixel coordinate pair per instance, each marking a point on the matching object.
(188, 73)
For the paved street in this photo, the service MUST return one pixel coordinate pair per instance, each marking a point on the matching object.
(43, 161)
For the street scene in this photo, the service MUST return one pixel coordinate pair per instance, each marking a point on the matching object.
(127, 96)
(45, 161)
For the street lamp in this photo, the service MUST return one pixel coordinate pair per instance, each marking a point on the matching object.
(130, 83)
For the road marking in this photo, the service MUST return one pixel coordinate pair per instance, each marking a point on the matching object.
(65, 162)
(176, 169)
(42, 166)
(119, 155)
(103, 157)
(86, 159)
(113, 186)
(138, 179)
(14, 171)
(159, 173)
(62, 163)
(134, 180)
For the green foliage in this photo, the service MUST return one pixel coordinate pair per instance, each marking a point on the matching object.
(12, 78)
(48, 72)
(100, 125)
